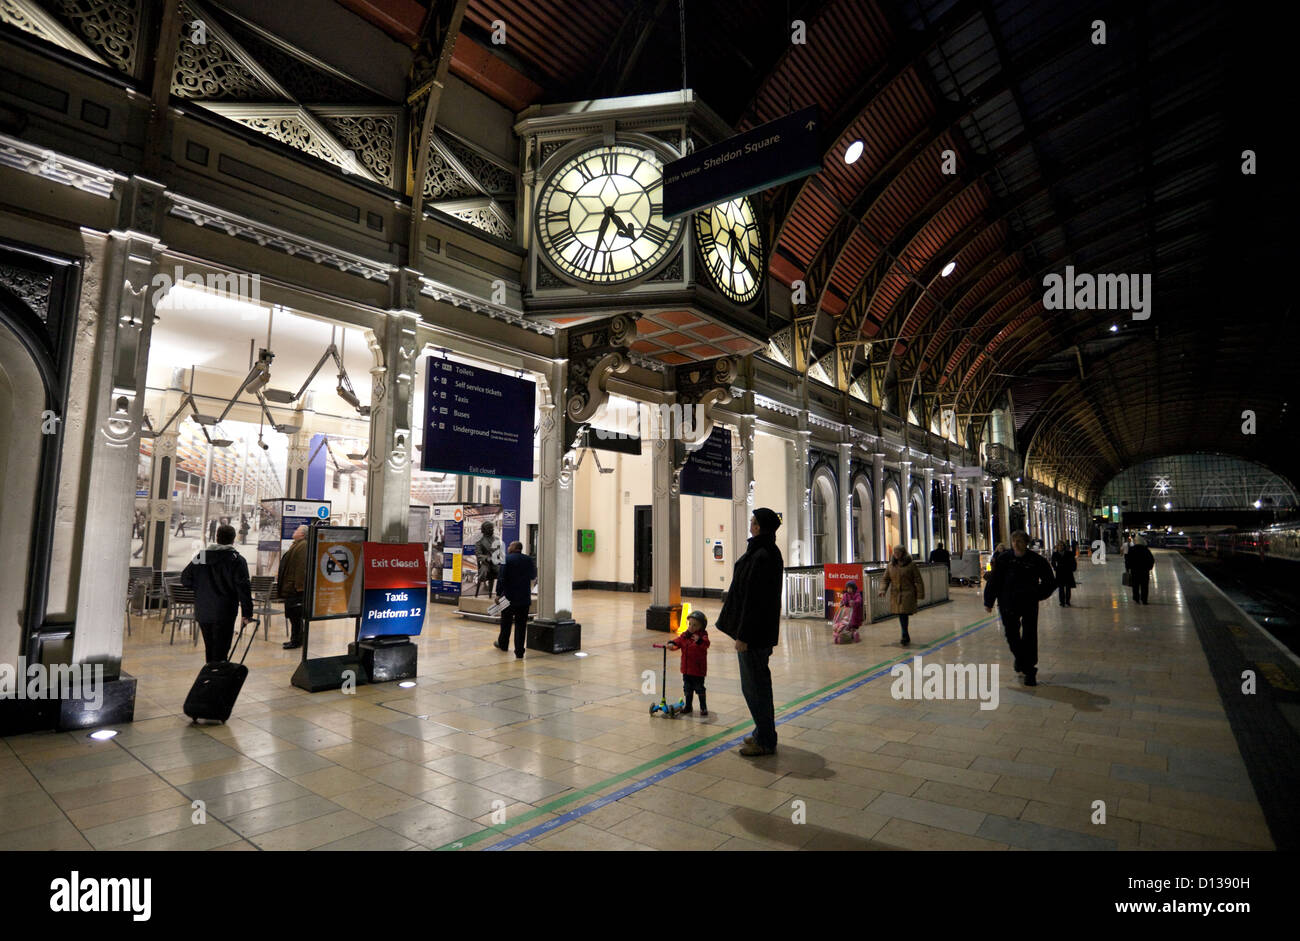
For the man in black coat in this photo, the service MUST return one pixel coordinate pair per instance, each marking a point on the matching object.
(751, 616)
(939, 556)
(219, 577)
(1019, 580)
(1139, 561)
(515, 582)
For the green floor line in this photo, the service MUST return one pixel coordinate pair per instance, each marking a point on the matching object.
(595, 789)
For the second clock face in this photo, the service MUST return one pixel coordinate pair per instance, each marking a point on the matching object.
(600, 216)
(732, 248)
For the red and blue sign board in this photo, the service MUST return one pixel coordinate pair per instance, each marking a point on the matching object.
(835, 577)
(396, 589)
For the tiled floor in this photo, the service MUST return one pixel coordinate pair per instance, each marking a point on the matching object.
(486, 747)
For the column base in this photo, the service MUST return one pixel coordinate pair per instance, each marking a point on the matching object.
(554, 636)
(116, 706)
(663, 617)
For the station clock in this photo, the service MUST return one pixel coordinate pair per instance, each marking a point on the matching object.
(600, 216)
(731, 247)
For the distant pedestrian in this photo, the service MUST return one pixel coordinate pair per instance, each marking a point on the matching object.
(940, 556)
(291, 584)
(694, 645)
(219, 578)
(905, 586)
(514, 582)
(180, 526)
(751, 616)
(1064, 564)
(1020, 579)
(212, 530)
(243, 528)
(1139, 562)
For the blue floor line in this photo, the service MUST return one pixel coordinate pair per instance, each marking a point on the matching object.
(717, 749)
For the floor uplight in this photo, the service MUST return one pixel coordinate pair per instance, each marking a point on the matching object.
(103, 735)
(406, 684)
(581, 653)
(853, 152)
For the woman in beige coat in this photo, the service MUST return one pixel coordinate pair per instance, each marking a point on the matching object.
(905, 586)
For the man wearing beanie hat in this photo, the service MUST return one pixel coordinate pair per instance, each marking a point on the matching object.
(751, 616)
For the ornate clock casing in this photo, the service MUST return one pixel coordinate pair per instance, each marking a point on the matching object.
(590, 211)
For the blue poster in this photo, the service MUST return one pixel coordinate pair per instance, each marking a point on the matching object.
(509, 511)
(707, 472)
(478, 422)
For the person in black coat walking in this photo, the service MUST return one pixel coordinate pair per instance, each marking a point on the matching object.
(1139, 561)
(940, 556)
(751, 616)
(1019, 580)
(219, 577)
(1064, 563)
(515, 582)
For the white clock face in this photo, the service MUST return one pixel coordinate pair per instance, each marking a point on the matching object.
(732, 247)
(600, 216)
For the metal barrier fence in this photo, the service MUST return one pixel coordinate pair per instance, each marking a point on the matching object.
(805, 590)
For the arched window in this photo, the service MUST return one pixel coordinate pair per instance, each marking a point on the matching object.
(825, 522)
(893, 521)
(864, 546)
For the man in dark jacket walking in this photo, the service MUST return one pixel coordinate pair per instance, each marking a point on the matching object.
(1019, 580)
(940, 556)
(751, 616)
(1139, 561)
(515, 582)
(219, 577)
(292, 582)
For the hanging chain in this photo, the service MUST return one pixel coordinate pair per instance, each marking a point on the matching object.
(681, 24)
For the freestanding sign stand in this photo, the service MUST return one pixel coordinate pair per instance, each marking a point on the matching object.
(396, 599)
(335, 555)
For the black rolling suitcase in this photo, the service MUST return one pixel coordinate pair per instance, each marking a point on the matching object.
(217, 687)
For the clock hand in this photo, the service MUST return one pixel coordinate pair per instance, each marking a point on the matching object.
(744, 257)
(604, 226)
(624, 229)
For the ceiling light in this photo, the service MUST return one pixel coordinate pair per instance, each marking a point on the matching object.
(103, 735)
(948, 269)
(853, 152)
(1258, 504)
(1114, 328)
(1169, 506)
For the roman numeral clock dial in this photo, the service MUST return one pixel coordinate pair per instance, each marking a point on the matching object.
(600, 216)
(732, 248)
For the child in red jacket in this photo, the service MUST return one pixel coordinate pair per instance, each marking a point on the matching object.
(694, 645)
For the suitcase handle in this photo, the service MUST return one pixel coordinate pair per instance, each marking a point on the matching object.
(240, 636)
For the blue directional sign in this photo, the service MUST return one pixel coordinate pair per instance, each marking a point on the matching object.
(773, 153)
(478, 422)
